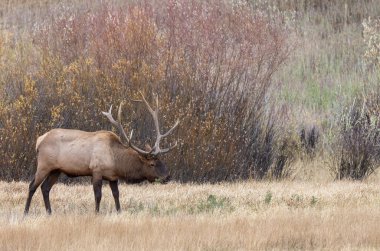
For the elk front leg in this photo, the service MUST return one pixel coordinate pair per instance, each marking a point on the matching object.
(115, 193)
(97, 185)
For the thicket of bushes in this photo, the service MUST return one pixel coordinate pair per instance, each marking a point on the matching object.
(210, 62)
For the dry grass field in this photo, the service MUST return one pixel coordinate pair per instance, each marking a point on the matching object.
(229, 216)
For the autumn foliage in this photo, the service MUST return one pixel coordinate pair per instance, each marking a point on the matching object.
(210, 62)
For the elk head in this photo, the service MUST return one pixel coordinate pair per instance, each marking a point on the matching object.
(152, 167)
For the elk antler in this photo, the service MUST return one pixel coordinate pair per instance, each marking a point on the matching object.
(118, 125)
(156, 148)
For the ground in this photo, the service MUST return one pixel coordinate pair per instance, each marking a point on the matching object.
(249, 215)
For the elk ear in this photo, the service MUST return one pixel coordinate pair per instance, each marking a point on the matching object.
(148, 148)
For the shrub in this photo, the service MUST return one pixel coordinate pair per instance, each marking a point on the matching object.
(357, 148)
(309, 137)
(210, 62)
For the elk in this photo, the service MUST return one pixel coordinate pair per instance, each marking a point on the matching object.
(101, 154)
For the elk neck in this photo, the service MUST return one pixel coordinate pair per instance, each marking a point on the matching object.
(128, 163)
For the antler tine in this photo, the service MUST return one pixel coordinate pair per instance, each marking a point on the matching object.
(171, 129)
(156, 102)
(109, 115)
(154, 114)
(169, 148)
(146, 103)
(119, 112)
(118, 125)
(115, 123)
(156, 148)
(135, 147)
(130, 135)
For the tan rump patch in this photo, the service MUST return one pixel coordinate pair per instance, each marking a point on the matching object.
(40, 139)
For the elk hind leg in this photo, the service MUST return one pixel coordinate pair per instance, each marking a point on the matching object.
(37, 180)
(46, 187)
(97, 182)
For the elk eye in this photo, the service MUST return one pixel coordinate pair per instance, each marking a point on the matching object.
(152, 164)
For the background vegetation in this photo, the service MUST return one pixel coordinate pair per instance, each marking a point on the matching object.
(262, 88)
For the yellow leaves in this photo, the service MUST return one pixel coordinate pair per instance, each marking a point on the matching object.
(72, 68)
(21, 103)
(89, 61)
(24, 102)
(55, 112)
(122, 66)
(50, 68)
(30, 87)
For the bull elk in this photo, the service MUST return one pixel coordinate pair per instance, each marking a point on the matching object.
(101, 154)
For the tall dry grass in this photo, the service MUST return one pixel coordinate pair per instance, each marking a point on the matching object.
(244, 216)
